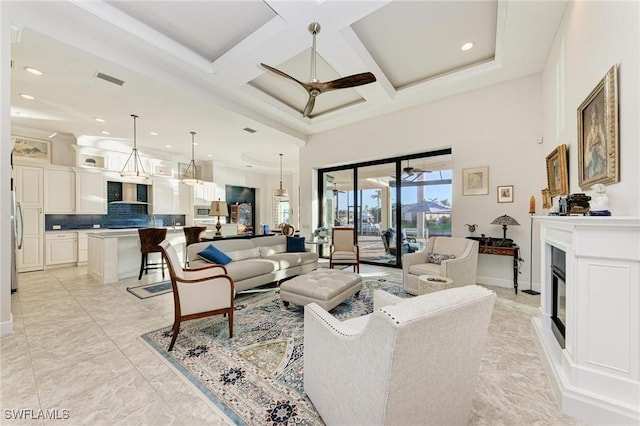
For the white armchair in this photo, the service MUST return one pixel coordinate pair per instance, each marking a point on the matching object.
(462, 268)
(411, 362)
(199, 292)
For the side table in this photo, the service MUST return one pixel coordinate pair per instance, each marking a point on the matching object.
(431, 283)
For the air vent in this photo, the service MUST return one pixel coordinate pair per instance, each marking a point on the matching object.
(249, 130)
(110, 79)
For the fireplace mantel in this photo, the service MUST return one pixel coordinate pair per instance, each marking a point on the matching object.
(596, 376)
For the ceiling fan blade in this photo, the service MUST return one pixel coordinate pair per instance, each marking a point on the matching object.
(310, 104)
(346, 82)
(285, 75)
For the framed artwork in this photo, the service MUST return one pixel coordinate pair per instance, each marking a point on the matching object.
(557, 176)
(475, 181)
(32, 149)
(505, 194)
(546, 199)
(598, 146)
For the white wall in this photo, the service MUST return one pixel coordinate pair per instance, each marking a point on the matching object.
(6, 323)
(594, 36)
(497, 127)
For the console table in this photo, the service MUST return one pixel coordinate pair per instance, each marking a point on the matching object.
(513, 250)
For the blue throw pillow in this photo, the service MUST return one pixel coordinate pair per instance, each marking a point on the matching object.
(295, 244)
(214, 255)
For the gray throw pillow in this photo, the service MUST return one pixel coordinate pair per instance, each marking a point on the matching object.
(438, 258)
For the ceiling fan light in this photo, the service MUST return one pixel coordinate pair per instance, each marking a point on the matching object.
(467, 46)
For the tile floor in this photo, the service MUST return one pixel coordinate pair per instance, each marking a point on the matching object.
(75, 352)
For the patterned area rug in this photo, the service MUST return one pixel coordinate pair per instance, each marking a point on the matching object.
(256, 377)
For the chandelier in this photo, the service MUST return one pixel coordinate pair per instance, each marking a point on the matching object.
(190, 176)
(281, 192)
(133, 167)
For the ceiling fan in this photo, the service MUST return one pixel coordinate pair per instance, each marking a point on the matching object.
(412, 173)
(315, 87)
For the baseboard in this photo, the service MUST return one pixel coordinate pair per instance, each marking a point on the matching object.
(6, 327)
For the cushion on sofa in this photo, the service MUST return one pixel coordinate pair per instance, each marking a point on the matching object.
(250, 268)
(438, 258)
(291, 260)
(214, 255)
(271, 250)
(295, 245)
(250, 253)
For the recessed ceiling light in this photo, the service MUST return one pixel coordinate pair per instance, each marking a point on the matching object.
(104, 132)
(467, 46)
(33, 71)
(168, 146)
(99, 120)
(209, 155)
(53, 135)
(153, 133)
(23, 114)
(25, 96)
(195, 144)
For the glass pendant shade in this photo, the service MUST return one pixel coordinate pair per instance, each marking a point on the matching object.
(133, 166)
(190, 176)
(281, 192)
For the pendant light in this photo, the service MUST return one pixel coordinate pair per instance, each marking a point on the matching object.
(133, 167)
(190, 176)
(281, 192)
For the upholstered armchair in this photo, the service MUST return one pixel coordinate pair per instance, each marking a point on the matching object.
(412, 361)
(198, 292)
(452, 257)
(344, 250)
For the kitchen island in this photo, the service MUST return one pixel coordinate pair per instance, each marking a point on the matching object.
(114, 255)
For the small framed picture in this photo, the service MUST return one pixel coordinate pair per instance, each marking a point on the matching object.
(475, 181)
(546, 199)
(557, 175)
(505, 194)
(32, 149)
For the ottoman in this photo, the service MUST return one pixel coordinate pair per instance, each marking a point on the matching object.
(327, 287)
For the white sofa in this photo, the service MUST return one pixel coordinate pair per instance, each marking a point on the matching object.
(256, 261)
(462, 269)
(412, 361)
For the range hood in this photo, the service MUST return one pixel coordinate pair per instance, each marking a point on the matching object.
(129, 194)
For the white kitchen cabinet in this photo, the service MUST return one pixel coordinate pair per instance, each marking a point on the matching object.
(61, 248)
(166, 196)
(83, 247)
(207, 192)
(29, 194)
(59, 191)
(91, 193)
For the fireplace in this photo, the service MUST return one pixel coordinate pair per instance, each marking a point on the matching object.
(559, 294)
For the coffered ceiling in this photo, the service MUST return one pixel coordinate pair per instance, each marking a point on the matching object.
(195, 66)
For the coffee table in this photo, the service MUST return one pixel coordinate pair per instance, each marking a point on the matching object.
(431, 283)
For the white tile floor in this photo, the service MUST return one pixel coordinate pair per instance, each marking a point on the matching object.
(75, 347)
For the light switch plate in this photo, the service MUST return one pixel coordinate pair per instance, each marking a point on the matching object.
(96, 226)
(56, 227)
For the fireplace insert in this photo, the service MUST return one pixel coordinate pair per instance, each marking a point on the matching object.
(559, 294)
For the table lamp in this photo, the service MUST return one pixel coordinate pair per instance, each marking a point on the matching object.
(218, 208)
(504, 220)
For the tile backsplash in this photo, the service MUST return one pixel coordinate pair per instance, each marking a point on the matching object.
(54, 222)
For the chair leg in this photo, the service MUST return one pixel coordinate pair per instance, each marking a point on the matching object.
(176, 330)
(231, 323)
(162, 264)
(142, 264)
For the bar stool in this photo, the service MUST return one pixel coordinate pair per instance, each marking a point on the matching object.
(192, 234)
(149, 240)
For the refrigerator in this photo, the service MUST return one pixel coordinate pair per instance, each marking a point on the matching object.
(17, 234)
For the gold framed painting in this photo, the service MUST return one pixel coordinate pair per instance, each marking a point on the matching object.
(598, 146)
(557, 171)
(32, 149)
(475, 181)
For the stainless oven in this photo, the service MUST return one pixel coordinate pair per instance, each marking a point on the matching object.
(201, 211)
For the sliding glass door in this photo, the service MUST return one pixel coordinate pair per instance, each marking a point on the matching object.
(394, 204)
